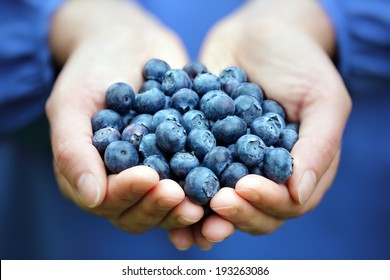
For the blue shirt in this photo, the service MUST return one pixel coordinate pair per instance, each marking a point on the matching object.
(352, 221)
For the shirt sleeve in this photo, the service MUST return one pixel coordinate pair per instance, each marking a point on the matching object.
(363, 41)
(26, 70)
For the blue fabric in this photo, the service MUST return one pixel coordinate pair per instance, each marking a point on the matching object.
(352, 221)
(26, 72)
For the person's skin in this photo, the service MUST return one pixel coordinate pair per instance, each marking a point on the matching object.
(101, 42)
(285, 46)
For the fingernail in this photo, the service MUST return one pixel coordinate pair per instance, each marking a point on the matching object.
(306, 186)
(180, 243)
(88, 190)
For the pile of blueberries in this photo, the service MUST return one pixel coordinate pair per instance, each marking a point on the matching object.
(202, 130)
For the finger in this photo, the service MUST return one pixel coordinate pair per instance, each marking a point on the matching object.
(126, 189)
(153, 207)
(181, 238)
(216, 229)
(183, 215)
(199, 239)
(232, 207)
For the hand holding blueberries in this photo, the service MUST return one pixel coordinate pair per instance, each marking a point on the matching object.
(235, 134)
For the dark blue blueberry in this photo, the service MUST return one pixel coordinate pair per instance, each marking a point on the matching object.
(149, 84)
(120, 155)
(258, 169)
(267, 129)
(167, 102)
(134, 133)
(216, 105)
(144, 119)
(128, 117)
(278, 165)
(293, 126)
(174, 80)
(251, 89)
(228, 130)
(287, 139)
(206, 82)
(149, 102)
(120, 97)
(148, 146)
(250, 150)
(195, 119)
(271, 106)
(200, 142)
(160, 164)
(229, 85)
(201, 185)
(232, 174)
(182, 163)
(218, 159)
(278, 119)
(194, 68)
(233, 72)
(154, 69)
(103, 137)
(184, 100)
(248, 108)
(106, 118)
(169, 114)
(171, 137)
(232, 148)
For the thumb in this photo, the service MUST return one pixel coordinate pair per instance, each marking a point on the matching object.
(315, 153)
(79, 167)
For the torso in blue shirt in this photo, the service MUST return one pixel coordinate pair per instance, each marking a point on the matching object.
(352, 222)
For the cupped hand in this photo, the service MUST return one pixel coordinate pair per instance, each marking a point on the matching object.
(285, 47)
(99, 43)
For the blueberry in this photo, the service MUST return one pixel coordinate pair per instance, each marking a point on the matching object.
(167, 102)
(201, 185)
(248, 108)
(258, 169)
(151, 101)
(293, 126)
(128, 117)
(206, 82)
(134, 133)
(233, 151)
(194, 68)
(154, 69)
(160, 164)
(171, 137)
(106, 118)
(228, 130)
(148, 146)
(229, 85)
(250, 150)
(149, 84)
(120, 155)
(251, 89)
(200, 142)
(103, 137)
(120, 97)
(269, 105)
(169, 114)
(267, 129)
(232, 174)
(144, 119)
(182, 163)
(278, 165)
(195, 119)
(233, 72)
(216, 105)
(287, 139)
(278, 119)
(218, 159)
(174, 80)
(184, 100)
